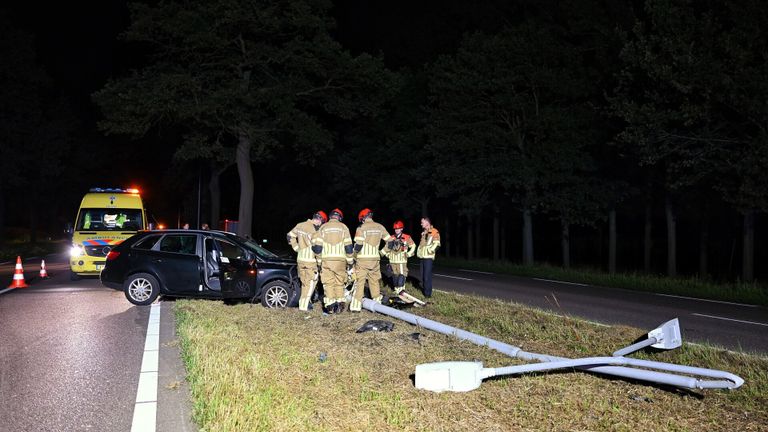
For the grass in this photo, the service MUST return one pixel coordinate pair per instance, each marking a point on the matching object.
(10, 250)
(252, 368)
(752, 293)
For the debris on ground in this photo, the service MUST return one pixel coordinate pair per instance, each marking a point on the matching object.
(376, 325)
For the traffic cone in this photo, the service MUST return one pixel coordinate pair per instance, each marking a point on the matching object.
(18, 276)
(43, 273)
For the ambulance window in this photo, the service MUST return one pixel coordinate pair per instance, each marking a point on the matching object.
(147, 242)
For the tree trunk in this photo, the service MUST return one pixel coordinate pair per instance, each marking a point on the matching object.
(244, 171)
(214, 188)
(612, 241)
(671, 239)
(565, 242)
(470, 241)
(495, 236)
(748, 254)
(445, 243)
(33, 224)
(704, 248)
(478, 238)
(503, 241)
(647, 237)
(527, 237)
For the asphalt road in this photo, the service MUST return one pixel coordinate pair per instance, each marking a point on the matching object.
(71, 356)
(733, 326)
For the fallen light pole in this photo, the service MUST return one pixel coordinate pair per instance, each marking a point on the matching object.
(465, 376)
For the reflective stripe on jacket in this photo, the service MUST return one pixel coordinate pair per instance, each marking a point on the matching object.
(430, 241)
(370, 235)
(300, 238)
(334, 237)
(401, 255)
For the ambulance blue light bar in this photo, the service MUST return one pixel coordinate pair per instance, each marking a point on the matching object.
(115, 190)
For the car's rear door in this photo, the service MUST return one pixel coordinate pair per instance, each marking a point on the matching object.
(177, 262)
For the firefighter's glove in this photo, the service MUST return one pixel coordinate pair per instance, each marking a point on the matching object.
(399, 290)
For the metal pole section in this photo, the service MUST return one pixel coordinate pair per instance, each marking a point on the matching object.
(733, 381)
(634, 347)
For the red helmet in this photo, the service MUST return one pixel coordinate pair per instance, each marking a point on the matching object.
(364, 213)
(398, 225)
(320, 214)
(338, 213)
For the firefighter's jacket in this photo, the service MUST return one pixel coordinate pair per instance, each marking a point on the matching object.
(368, 237)
(430, 241)
(399, 249)
(300, 239)
(334, 242)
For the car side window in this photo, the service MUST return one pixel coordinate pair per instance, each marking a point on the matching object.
(179, 243)
(147, 242)
(230, 250)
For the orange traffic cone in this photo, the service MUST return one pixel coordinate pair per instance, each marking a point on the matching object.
(18, 276)
(43, 273)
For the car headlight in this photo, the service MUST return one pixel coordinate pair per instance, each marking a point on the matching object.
(76, 251)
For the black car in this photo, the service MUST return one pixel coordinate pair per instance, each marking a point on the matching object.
(205, 264)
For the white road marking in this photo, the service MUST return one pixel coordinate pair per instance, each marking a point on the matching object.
(730, 319)
(476, 271)
(6, 290)
(452, 277)
(557, 281)
(706, 300)
(145, 409)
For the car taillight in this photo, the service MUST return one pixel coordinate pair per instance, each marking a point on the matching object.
(112, 255)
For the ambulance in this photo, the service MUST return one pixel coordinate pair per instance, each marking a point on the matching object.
(106, 217)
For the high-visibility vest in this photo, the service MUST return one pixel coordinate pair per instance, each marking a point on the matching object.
(369, 235)
(401, 254)
(300, 239)
(335, 240)
(430, 241)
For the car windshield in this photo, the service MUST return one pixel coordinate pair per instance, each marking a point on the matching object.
(109, 219)
(254, 247)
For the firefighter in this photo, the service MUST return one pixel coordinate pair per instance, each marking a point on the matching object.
(398, 250)
(333, 248)
(300, 239)
(368, 237)
(430, 241)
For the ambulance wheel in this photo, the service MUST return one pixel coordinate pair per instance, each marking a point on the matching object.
(74, 276)
(141, 289)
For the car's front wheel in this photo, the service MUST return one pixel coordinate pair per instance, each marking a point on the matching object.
(141, 289)
(277, 294)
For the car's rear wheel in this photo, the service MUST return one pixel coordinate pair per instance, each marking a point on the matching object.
(277, 294)
(141, 289)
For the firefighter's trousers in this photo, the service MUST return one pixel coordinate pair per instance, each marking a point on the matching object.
(399, 275)
(366, 271)
(309, 277)
(334, 277)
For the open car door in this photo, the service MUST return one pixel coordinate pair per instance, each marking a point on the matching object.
(236, 270)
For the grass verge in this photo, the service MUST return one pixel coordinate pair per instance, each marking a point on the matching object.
(10, 250)
(252, 368)
(751, 293)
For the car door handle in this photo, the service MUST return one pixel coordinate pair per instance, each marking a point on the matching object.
(157, 260)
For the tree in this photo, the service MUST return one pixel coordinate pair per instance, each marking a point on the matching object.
(683, 96)
(504, 117)
(258, 75)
